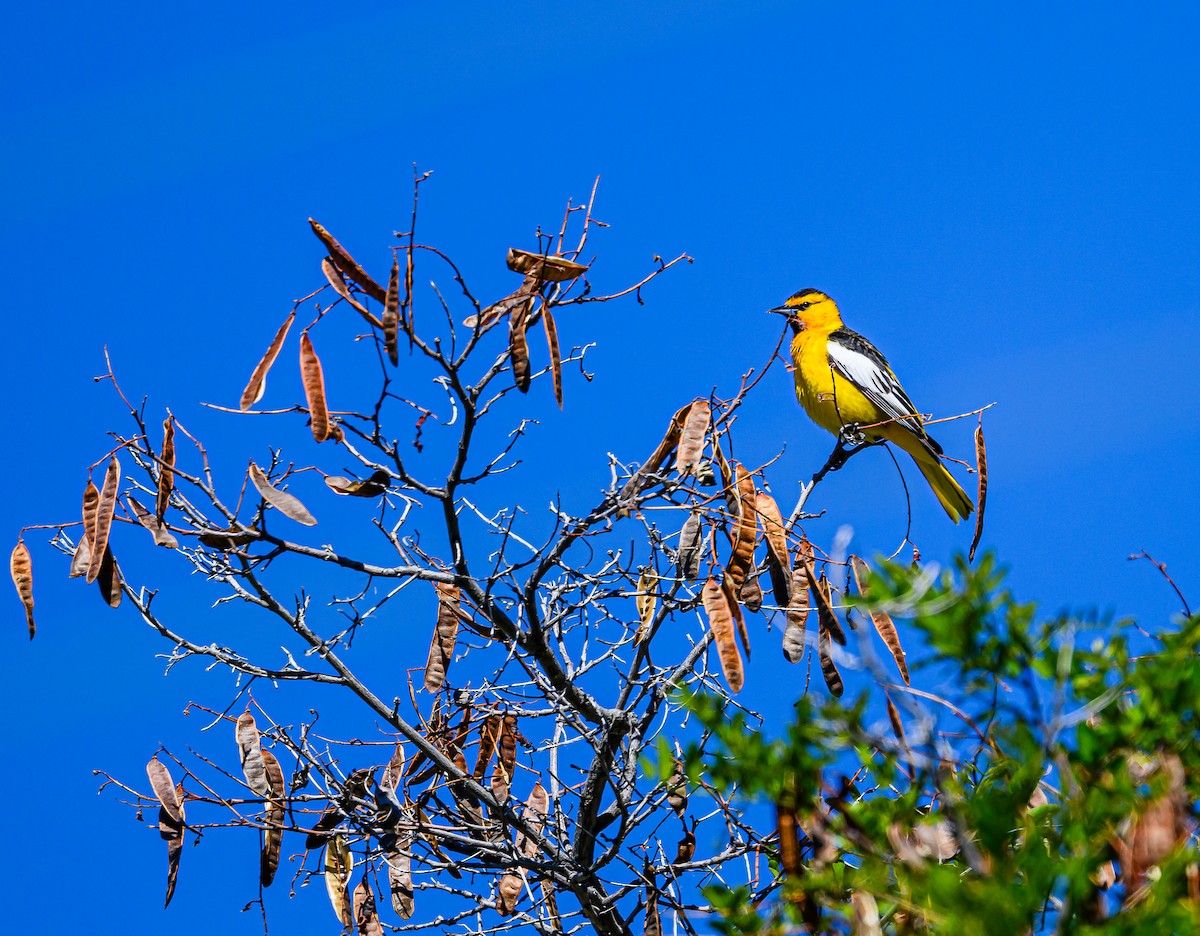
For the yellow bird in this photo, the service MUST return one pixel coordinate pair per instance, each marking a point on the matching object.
(843, 381)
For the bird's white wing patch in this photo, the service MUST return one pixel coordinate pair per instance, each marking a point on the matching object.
(876, 382)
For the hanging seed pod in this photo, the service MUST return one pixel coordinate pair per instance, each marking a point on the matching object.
(826, 617)
(20, 566)
(685, 851)
(445, 634)
(257, 385)
(798, 605)
(250, 751)
(170, 830)
(164, 788)
(83, 549)
(653, 925)
(647, 605)
(982, 471)
(162, 536)
(744, 526)
(489, 734)
(287, 504)
(365, 915)
(334, 276)
(275, 813)
(314, 389)
(399, 859)
(691, 442)
(638, 479)
(391, 314)
(347, 263)
(551, 328)
(789, 840)
(373, 486)
(738, 620)
(339, 864)
(519, 344)
(166, 470)
(549, 269)
(109, 579)
(688, 559)
(508, 892)
(104, 518)
(883, 622)
(720, 622)
(829, 670)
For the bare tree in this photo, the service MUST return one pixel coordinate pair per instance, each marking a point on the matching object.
(509, 775)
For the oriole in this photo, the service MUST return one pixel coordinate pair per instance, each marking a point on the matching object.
(843, 381)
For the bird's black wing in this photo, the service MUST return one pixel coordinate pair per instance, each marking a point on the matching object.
(858, 361)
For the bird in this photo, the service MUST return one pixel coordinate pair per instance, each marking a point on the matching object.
(844, 383)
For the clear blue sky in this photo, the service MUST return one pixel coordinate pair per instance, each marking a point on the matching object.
(1004, 197)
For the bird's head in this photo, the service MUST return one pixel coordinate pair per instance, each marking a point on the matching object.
(810, 308)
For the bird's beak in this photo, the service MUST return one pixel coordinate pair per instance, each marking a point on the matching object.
(781, 310)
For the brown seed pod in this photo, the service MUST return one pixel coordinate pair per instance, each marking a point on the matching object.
(391, 314)
(548, 269)
(371, 487)
(829, 670)
(771, 521)
(164, 788)
(171, 831)
(751, 594)
(798, 606)
(250, 751)
(551, 328)
(824, 601)
(276, 811)
(685, 851)
(789, 840)
(688, 559)
(109, 579)
(738, 620)
(314, 388)
(506, 758)
(334, 276)
(882, 621)
(347, 264)
(287, 504)
(894, 718)
(365, 915)
(162, 536)
(647, 605)
(83, 549)
(489, 734)
(981, 469)
(519, 344)
(537, 808)
(445, 634)
(720, 621)
(691, 441)
(104, 518)
(339, 864)
(258, 380)
(399, 860)
(653, 925)
(744, 525)
(637, 481)
(20, 566)
(166, 470)
(232, 538)
(508, 892)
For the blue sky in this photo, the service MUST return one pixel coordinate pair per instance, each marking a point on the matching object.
(1002, 197)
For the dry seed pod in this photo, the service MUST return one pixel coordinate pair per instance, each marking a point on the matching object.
(508, 891)
(746, 528)
(391, 314)
(373, 486)
(771, 521)
(537, 807)
(273, 839)
(287, 504)
(677, 791)
(647, 604)
(104, 518)
(20, 566)
(833, 679)
(519, 345)
(685, 851)
(365, 915)
(109, 579)
(164, 788)
(637, 481)
(334, 277)
(720, 621)
(339, 863)
(505, 306)
(489, 734)
(738, 620)
(691, 441)
(882, 621)
(83, 550)
(894, 718)
(549, 269)
(445, 634)
(166, 470)
(250, 750)
(232, 538)
(506, 758)
(347, 264)
(688, 559)
(551, 328)
(399, 859)
(314, 389)
(824, 601)
(981, 468)
(555, 921)
(171, 831)
(257, 385)
(789, 840)
(162, 536)
(750, 594)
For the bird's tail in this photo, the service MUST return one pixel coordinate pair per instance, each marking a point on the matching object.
(954, 499)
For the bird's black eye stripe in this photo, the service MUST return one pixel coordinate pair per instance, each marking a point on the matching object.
(803, 306)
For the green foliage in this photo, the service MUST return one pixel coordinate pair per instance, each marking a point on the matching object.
(1057, 752)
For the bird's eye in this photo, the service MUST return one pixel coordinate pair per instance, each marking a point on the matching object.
(803, 306)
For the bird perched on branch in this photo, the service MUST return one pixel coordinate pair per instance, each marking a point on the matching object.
(846, 386)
